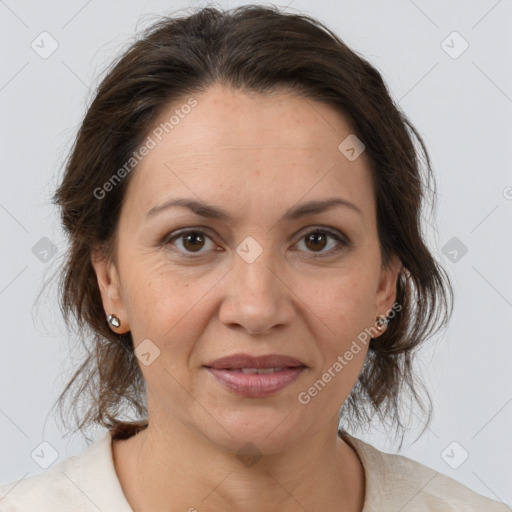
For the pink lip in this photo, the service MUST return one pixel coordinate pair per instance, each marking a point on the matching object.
(227, 371)
(255, 385)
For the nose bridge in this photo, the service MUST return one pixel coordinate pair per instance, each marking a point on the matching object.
(252, 267)
(256, 298)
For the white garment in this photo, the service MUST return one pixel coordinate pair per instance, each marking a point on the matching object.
(88, 483)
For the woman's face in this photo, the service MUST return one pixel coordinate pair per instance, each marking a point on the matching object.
(256, 281)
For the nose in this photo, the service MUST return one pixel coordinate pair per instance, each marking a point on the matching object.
(257, 298)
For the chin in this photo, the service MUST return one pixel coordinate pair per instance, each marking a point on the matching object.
(269, 431)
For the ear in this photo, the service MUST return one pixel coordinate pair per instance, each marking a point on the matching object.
(110, 289)
(386, 291)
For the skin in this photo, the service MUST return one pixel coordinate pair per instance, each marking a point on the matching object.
(255, 156)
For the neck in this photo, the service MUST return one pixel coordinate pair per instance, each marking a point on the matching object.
(166, 465)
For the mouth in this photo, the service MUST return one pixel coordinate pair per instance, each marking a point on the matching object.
(256, 376)
(247, 361)
(259, 371)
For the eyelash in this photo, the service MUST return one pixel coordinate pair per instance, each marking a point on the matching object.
(342, 242)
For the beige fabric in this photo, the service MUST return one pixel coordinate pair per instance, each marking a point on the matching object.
(88, 483)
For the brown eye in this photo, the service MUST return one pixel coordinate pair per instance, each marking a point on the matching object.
(193, 241)
(190, 242)
(316, 241)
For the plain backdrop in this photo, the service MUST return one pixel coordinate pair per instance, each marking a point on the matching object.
(447, 64)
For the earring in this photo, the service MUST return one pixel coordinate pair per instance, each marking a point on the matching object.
(114, 321)
(382, 322)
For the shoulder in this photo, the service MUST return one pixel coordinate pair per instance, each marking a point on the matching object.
(80, 482)
(397, 482)
(46, 491)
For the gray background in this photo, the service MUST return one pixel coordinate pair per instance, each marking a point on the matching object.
(461, 106)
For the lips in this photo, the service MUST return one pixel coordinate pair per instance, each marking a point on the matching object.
(239, 361)
(256, 377)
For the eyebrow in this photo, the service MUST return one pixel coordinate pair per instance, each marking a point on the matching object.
(214, 212)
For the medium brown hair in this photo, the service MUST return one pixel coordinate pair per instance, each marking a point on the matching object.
(253, 49)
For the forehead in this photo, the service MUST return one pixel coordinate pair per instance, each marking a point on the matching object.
(232, 146)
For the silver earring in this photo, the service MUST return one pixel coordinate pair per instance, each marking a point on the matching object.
(382, 321)
(113, 321)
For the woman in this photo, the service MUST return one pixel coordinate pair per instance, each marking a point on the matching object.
(253, 135)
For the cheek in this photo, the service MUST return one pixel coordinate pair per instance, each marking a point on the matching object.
(160, 311)
(346, 308)
(345, 304)
(164, 306)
